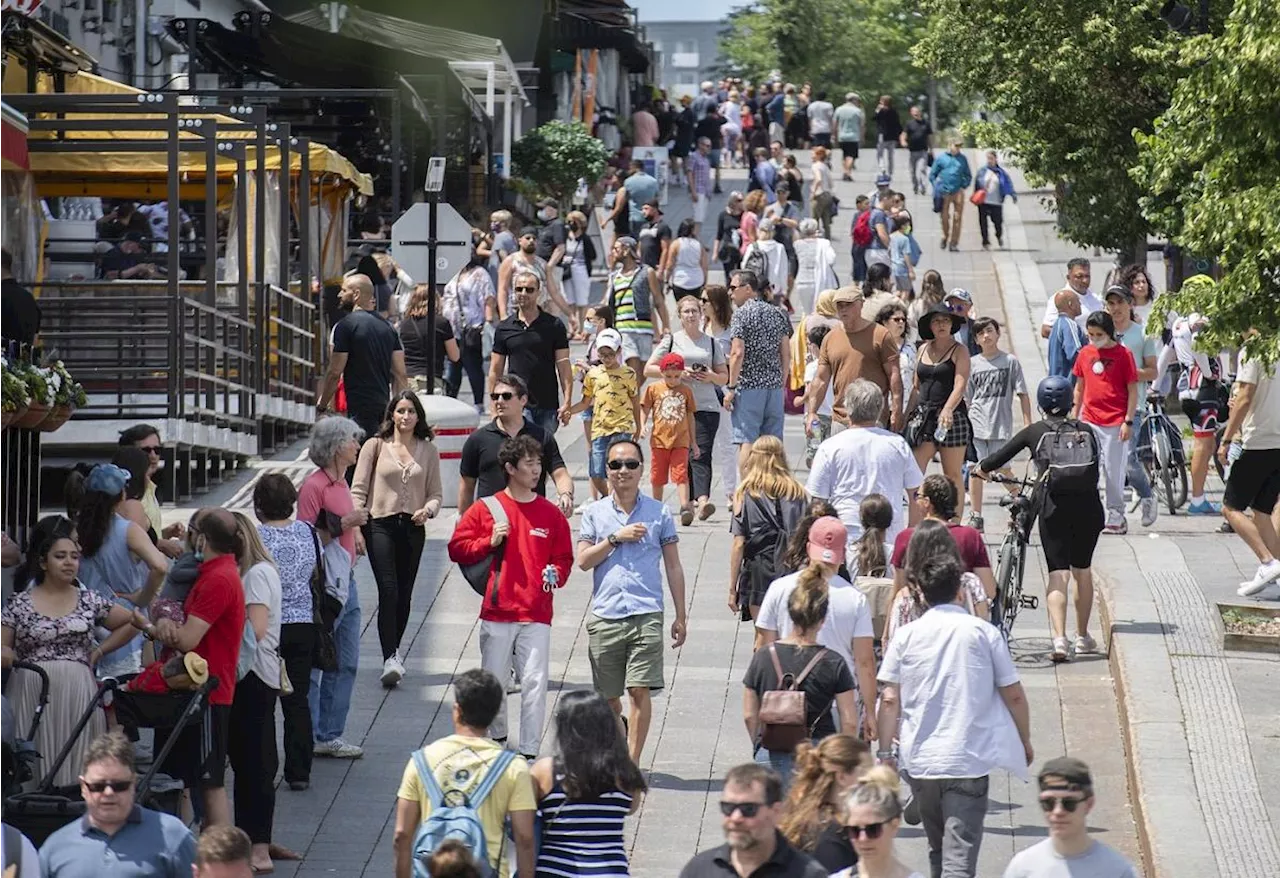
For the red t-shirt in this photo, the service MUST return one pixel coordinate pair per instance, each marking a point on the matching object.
(973, 549)
(1106, 392)
(218, 598)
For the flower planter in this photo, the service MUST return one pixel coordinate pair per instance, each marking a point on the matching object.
(36, 412)
(10, 417)
(57, 417)
(1250, 627)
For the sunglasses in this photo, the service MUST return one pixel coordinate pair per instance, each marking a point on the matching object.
(150, 449)
(871, 830)
(1049, 803)
(526, 289)
(116, 786)
(505, 396)
(629, 463)
(898, 318)
(748, 809)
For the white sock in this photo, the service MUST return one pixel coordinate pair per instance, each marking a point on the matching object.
(1197, 500)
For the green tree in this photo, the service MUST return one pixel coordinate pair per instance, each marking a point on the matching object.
(1065, 84)
(549, 161)
(1211, 168)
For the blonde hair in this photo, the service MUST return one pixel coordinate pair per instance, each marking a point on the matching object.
(578, 217)
(814, 784)
(878, 788)
(826, 303)
(252, 549)
(808, 604)
(768, 474)
(501, 217)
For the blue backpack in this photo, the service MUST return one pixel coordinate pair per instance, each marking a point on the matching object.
(461, 822)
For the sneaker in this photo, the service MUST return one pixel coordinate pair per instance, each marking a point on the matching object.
(1204, 507)
(513, 685)
(1119, 528)
(944, 244)
(392, 671)
(911, 811)
(337, 749)
(847, 178)
(299, 786)
(1267, 574)
(976, 522)
(986, 245)
(954, 248)
(1150, 510)
(1060, 651)
(999, 242)
(708, 509)
(1085, 644)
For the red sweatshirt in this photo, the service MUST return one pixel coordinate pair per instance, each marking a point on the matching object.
(539, 536)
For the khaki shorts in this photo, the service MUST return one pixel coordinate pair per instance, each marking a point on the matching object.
(625, 653)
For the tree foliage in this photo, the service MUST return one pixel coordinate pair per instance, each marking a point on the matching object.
(549, 161)
(1212, 170)
(1065, 83)
(837, 45)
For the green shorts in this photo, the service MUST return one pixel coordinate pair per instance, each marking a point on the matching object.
(625, 653)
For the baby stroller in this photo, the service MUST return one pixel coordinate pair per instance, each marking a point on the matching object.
(20, 756)
(38, 813)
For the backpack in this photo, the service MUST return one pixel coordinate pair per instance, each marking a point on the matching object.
(1069, 454)
(757, 261)
(784, 711)
(461, 822)
(477, 574)
(862, 229)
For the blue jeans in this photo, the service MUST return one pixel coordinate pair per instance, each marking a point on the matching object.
(547, 419)
(330, 695)
(757, 411)
(596, 467)
(1135, 472)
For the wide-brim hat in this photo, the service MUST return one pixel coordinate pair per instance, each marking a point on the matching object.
(924, 327)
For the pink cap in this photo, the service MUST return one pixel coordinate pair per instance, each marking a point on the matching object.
(827, 539)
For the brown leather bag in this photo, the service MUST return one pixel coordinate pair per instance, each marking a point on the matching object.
(783, 711)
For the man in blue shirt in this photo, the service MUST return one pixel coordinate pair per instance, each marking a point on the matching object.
(641, 188)
(1065, 339)
(626, 540)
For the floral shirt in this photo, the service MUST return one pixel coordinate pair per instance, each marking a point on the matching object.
(294, 550)
(762, 327)
(69, 638)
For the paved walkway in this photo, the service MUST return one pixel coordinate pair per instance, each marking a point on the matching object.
(343, 823)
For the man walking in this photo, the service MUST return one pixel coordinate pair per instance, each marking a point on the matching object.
(526, 258)
(1066, 338)
(863, 349)
(538, 347)
(849, 123)
(533, 554)
(635, 296)
(1254, 479)
(994, 182)
(949, 678)
(700, 183)
(917, 137)
(1078, 276)
(642, 187)
(626, 541)
(820, 114)
(950, 176)
(1066, 798)
(759, 357)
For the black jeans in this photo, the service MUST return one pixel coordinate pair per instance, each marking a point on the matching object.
(252, 750)
(705, 425)
(996, 214)
(471, 361)
(395, 549)
(297, 642)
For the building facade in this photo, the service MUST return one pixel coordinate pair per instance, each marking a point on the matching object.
(685, 54)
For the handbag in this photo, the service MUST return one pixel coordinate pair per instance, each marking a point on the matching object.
(938, 202)
(784, 711)
(477, 574)
(324, 654)
(979, 196)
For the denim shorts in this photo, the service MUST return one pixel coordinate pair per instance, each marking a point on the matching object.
(757, 411)
(600, 453)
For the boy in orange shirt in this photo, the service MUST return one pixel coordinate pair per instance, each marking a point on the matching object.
(666, 408)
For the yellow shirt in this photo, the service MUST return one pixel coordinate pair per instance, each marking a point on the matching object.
(459, 763)
(611, 392)
(151, 506)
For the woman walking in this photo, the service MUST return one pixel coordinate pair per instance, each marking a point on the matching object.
(585, 791)
(579, 256)
(936, 499)
(932, 293)
(766, 509)
(470, 305)
(752, 209)
(939, 420)
(398, 480)
(872, 817)
(893, 317)
(930, 539)
(815, 266)
(717, 312)
(418, 334)
(825, 774)
(822, 190)
(685, 263)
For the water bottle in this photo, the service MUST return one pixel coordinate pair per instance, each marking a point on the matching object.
(550, 577)
(939, 432)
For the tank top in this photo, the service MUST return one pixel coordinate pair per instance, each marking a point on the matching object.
(583, 837)
(937, 380)
(113, 572)
(629, 296)
(687, 273)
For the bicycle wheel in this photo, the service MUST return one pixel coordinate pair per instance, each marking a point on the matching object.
(1009, 581)
(1167, 446)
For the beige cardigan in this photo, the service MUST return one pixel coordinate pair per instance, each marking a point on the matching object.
(387, 488)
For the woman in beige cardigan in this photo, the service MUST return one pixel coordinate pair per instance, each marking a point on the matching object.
(398, 480)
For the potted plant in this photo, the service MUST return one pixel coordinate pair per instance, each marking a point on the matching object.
(68, 396)
(15, 395)
(549, 161)
(41, 392)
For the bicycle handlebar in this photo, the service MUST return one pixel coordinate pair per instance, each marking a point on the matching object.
(998, 477)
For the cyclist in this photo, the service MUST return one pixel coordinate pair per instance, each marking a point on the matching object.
(1202, 390)
(1066, 454)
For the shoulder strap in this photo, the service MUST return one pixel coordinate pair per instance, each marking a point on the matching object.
(491, 778)
(499, 517)
(813, 663)
(434, 794)
(495, 509)
(777, 665)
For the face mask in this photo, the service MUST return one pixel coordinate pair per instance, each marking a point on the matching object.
(544, 214)
(494, 227)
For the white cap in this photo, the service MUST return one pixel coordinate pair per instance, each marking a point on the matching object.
(609, 338)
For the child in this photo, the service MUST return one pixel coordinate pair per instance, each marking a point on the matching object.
(820, 429)
(994, 378)
(667, 409)
(597, 319)
(900, 255)
(610, 390)
(1106, 396)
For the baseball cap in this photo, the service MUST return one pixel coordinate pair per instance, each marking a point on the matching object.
(1117, 290)
(671, 361)
(848, 294)
(827, 538)
(547, 202)
(107, 478)
(653, 202)
(961, 294)
(1070, 769)
(883, 180)
(609, 338)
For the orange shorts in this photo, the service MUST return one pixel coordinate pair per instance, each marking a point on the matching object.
(669, 465)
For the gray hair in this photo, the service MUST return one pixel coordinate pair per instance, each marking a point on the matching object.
(808, 227)
(524, 272)
(766, 227)
(327, 437)
(863, 401)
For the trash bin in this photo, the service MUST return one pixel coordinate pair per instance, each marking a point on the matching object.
(453, 421)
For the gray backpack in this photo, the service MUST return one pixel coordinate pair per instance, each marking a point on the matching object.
(1068, 453)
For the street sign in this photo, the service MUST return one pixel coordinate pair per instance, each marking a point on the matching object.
(409, 242)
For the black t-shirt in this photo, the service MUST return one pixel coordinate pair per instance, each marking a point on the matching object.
(918, 132)
(650, 238)
(415, 335)
(480, 457)
(829, 678)
(117, 260)
(833, 848)
(19, 313)
(710, 128)
(368, 341)
(727, 226)
(888, 125)
(531, 354)
(550, 236)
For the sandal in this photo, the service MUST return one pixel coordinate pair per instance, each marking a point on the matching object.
(280, 852)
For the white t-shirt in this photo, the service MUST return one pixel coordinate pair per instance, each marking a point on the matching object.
(848, 615)
(1041, 860)
(810, 373)
(861, 461)
(820, 113)
(262, 586)
(949, 666)
(1261, 428)
(1089, 302)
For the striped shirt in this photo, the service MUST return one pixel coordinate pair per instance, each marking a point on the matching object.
(700, 170)
(632, 306)
(583, 837)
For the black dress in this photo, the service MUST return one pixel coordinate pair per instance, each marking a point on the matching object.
(765, 523)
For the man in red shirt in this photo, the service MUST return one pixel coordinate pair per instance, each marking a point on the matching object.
(213, 629)
(536, 555)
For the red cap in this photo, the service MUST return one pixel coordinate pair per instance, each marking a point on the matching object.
(827, 538)
(671, 361)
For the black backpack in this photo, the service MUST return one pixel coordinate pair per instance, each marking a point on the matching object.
(1069, 454)
(757, 261)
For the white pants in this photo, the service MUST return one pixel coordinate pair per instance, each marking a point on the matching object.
(531, 644)
(724, 455)
(577, 286)
(1111, 453)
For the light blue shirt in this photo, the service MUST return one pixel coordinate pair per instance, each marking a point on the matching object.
(1065, 342)
(629, 581)
(899, 250)
(640, 188)
(149, 845)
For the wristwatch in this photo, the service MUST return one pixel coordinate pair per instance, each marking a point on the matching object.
(613, 540)
(732, 387)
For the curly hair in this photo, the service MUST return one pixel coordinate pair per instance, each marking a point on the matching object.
(811, 803)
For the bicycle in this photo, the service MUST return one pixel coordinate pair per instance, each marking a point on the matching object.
(1161, 453)
(1011, 557)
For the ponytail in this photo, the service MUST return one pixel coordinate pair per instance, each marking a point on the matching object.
(876, 516)
(808, 603)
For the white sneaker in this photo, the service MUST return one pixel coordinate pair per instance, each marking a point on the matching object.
(337, 749)
(1267, 574)
(392, 670)
(1085, 644)
(1150, 510)
(1060, 650)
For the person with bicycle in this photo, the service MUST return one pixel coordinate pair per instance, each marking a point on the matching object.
(1067, 459)
(1145, 350)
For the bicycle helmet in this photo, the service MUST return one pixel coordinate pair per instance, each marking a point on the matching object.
(1055, 396)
